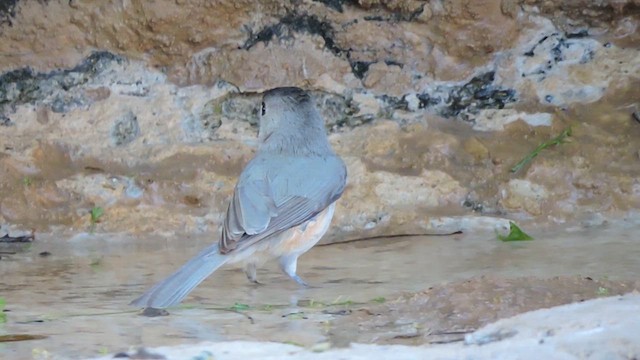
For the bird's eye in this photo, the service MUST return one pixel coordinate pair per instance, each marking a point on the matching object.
(264, 108)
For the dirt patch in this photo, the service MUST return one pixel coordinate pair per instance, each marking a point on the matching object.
(445, 313)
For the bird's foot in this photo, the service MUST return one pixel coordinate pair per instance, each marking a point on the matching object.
(299, 280)
(251, 271)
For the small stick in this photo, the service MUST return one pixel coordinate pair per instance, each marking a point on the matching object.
(18, 239)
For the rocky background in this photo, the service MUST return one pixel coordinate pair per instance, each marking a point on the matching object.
(147, 109)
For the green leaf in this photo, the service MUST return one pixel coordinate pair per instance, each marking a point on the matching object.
(339, 301)
(312, 303)
(602, 291)
(96, 213)
(560, 139)
(186, 306)
(515, 234)
(239, 307)
(96, 263)
(3, 316)
(293, 343)
(296, 315)
(345, 303)
(321, 347)
(27, 181)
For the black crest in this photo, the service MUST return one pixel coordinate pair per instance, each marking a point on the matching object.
(294, 93)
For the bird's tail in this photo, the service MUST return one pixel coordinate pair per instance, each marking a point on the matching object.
(178, 285)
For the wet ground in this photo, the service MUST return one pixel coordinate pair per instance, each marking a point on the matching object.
(409, 290)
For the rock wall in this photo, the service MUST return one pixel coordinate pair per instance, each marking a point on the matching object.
(148, 109)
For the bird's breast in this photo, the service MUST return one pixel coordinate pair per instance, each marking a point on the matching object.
(303, 237)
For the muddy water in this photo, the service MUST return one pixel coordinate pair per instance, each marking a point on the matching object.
(77, 296)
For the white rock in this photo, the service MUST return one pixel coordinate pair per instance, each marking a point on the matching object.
(495, 120)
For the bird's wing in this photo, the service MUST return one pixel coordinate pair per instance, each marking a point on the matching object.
(277, 194)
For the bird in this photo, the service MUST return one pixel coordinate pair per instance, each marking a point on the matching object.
(282, 204)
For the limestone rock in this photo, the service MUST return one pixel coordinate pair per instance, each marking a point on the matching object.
(524, 195)
(149, 109)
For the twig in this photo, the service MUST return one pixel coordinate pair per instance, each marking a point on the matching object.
(18, 239)
(57, 317)
(391, 236)
(453, 332)
(233, 311)
(241, 313)
(449, 341)
(20, 337)
(457, 338)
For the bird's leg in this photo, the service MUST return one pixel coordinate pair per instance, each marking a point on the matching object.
(250, 270)
(289, 264)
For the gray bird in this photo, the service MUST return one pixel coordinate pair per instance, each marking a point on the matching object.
(282, 204)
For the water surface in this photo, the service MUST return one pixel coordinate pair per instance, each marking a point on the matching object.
(77, 296)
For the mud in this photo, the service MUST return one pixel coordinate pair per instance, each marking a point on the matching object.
(445, 313)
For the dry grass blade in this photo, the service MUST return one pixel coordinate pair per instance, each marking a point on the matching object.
(560, 139)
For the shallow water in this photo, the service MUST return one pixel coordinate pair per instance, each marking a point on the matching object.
(77, 297)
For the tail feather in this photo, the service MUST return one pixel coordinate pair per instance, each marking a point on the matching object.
(177, 286)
